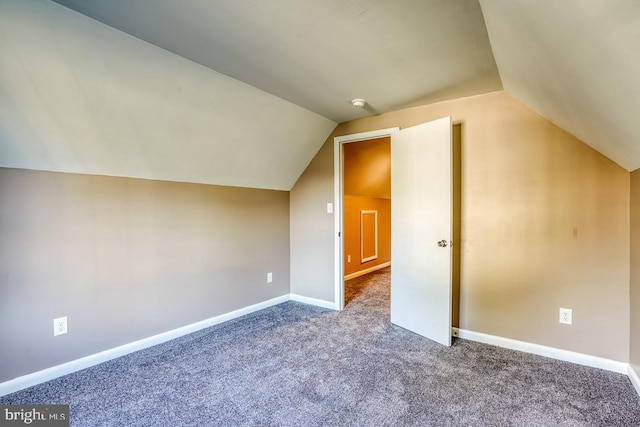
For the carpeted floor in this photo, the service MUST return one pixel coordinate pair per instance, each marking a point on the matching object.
(298, 365)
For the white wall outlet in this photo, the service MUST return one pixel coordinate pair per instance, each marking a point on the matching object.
(329, 208)
(348, 258)
(60, 326)
(269, 277)
(565, 315)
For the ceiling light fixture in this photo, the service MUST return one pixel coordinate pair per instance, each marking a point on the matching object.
(358, 102)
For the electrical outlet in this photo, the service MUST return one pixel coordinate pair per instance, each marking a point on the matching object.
(269, 277)
(565, 315)
(60, 326)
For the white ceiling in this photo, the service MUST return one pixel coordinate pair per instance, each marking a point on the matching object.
(244, 92)
(576, 62)
(78, 96)
(322, 54)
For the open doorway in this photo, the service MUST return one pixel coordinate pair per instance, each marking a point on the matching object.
(366, 205)
(344, 268)
(339, 262)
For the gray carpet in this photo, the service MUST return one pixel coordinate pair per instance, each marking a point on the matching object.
(298, 365)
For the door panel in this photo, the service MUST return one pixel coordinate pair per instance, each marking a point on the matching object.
(421, 229)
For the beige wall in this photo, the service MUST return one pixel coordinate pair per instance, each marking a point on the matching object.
(544, 225)
(125, 259)
(312, 265)
(634, 337)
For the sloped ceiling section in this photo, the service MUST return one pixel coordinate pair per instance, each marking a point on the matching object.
(576, 63)
(79, 96)
(320, 54)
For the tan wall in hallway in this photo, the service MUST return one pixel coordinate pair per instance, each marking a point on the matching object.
(126, 259)
(634, 336)
(352, 207)
(545, 224)
(367, 168)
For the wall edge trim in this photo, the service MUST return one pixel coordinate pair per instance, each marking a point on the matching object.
(542, 350)
(634, 378)
(48, 374)
(367, 270)
(313, 301)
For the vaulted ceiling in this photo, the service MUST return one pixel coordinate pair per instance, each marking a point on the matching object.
(320, 54)
(576, 62)
(244, 92)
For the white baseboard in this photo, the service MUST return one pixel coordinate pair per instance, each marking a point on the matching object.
(313, 301)
(367, 270)
(635, 379)
(541, 350)
(48, 374)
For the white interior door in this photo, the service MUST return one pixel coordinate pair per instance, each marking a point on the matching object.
(421, 229)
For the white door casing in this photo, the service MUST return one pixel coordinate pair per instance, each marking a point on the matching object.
(338, 141)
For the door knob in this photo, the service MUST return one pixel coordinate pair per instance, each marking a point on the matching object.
(442, 244)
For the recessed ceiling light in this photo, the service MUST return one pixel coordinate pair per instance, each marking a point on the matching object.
(358, 102)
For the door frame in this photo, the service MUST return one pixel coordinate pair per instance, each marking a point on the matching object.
(338, 192)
